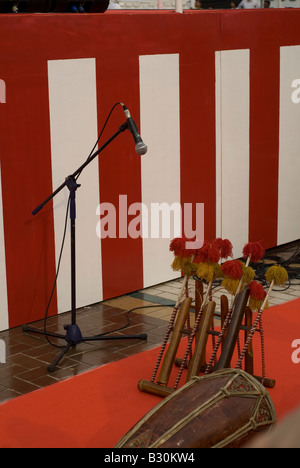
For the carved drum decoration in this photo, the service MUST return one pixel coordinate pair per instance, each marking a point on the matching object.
(224, 409)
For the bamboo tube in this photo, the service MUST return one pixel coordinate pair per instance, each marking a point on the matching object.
(170, 355)
(199, 354)
(233, 329)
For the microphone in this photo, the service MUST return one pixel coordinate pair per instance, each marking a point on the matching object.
(140, 146)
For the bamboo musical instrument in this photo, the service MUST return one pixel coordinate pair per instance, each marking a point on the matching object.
(224, 313)
(198, 296)
(183, 292)
(160, 387)
(154, 388)
(199, 354)
(249, 367)
(240, 309)
(238, 313)
(170, 355)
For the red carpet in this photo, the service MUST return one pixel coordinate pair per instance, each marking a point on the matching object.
(97, 408)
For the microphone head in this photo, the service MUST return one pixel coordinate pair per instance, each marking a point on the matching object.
(141, 148)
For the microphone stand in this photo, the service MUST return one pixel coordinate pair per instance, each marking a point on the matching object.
(73, 334)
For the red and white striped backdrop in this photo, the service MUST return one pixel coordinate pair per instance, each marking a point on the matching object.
(212, 95)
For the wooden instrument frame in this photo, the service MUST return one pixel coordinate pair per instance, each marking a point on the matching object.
(195, 360)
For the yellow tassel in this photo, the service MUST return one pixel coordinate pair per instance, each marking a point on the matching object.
(231, 285)
(195, 268)
(217, 270)
(185, 265)
(254, 304)
(278, 274)
(206, 271)
(176, 265)
(188, 267)
(248, 274)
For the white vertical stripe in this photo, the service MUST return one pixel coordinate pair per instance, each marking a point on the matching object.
(3, 286)
(233, 154)
(2, 92)
(73, 120)
(289, 145)
(159, 95)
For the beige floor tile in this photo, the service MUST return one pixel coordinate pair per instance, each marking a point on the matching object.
(163, 314)
(169, 296)
(127, 302)
(151, 291)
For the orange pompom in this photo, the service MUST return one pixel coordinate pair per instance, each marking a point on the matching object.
(232, 269)
(255, 250)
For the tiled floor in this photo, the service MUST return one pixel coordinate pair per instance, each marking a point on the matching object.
(28, 355)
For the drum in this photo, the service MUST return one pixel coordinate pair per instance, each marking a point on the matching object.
(224, 409)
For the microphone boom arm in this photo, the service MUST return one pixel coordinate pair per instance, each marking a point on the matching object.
(121, 129)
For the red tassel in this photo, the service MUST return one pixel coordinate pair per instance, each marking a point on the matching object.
(224, 246)
(207, 253)
(201, 254)
(218, 243)
(232, 269)
(178, 247)
(257, 291)
(255, 249)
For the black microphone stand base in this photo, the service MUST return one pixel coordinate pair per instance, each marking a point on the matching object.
(74, 337)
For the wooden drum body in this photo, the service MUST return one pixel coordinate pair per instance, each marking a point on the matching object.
(224, 409)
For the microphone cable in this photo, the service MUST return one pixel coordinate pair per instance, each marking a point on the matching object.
(100, 135)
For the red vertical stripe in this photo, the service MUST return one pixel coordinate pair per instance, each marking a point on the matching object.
(197, 103)
(26, 182)
(264, 144)
(120, 169)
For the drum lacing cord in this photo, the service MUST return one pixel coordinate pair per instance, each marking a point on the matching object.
(253, 423)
